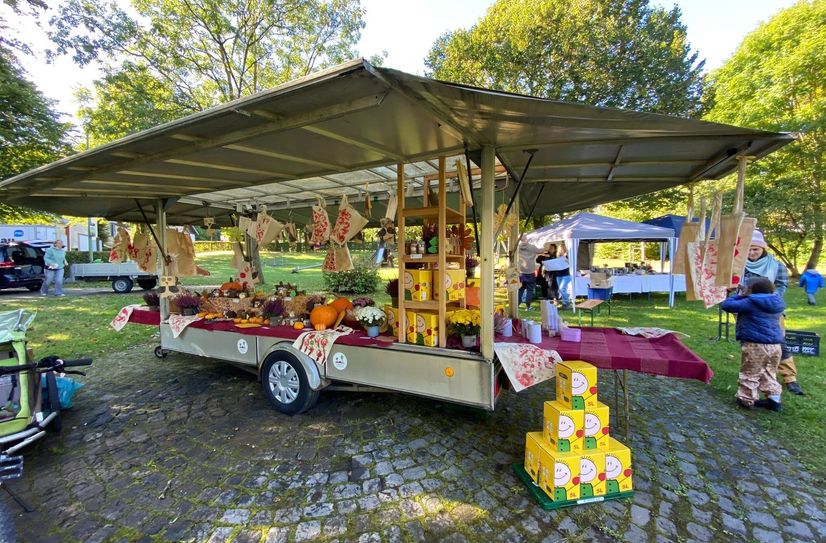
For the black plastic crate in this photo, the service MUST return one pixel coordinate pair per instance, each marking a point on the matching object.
(805, 343)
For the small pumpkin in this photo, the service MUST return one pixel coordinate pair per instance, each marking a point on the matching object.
(341, 304)
(299, 325)
(323, 316)
(231, 285)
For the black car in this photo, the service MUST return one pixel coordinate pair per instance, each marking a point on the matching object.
(21, 266)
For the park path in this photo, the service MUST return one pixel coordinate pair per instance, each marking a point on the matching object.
(187, 449)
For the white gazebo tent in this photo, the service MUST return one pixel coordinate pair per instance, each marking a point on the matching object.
(589, 227)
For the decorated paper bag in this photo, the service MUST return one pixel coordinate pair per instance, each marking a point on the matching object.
(703, 262)
(730, 238)
(321, 225)
(688, 233)
(185, 259)
(120, 246)
(741, 250)
(348, 223)
(144, 252)
(247, 226)
(337, 259)
(266, 229)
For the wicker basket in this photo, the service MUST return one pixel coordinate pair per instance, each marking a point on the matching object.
(220, 305)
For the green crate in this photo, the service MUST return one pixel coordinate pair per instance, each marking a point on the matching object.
(547, 503)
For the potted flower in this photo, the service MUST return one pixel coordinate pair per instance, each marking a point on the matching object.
(152, 300)
(187, 303)
(466, 323)
(273, 310)
(471, 263)
(371, 318)
(392, 289)
(363, 301)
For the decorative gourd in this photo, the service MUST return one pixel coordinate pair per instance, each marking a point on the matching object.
(232, 285)
(323, 316)
(339, 319)
(341, 304)
(299, 325)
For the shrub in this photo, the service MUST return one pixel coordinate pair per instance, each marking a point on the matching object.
(360, 280)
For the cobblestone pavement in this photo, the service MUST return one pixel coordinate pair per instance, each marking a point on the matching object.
(187, 449)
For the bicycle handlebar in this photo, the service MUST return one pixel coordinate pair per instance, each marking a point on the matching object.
(50, 363)
(78, 362)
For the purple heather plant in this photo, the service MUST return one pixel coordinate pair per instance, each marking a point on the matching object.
(187, 299)
(151, 298)
(363, 301)
(273, 308)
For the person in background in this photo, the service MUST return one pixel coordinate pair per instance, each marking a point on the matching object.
(541, 279)
(758, 330)
(526, 262)
(55, 260)
(761, 264)
(559, 269)
(811, 280)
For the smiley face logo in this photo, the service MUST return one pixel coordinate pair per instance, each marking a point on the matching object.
(420, 324)
(566, 426)
(587, 470)
(613, 467)
(562, 474)
(448, 281)
(408, 280)
(591, 424)
(579, 384)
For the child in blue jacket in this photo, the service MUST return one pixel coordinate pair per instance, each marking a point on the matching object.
(758, 330)
(811, 280)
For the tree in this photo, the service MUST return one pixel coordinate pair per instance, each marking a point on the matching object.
(188, 55)
(602, 52)
(776, 80)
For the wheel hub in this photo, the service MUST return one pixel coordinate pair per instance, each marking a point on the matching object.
(283, 382)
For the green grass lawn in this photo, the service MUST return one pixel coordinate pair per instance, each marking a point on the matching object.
(79, 326)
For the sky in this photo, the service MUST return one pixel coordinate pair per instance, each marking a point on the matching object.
(407, 29)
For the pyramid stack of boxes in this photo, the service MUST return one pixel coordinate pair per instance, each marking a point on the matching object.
(423, 326)
(574, 459)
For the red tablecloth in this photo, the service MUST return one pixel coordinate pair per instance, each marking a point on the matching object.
(610, 349)
(606, 348)
(358, 338)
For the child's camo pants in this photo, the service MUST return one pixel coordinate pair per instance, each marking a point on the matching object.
(758, 371)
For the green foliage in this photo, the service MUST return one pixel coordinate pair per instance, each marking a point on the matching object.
(602, 52)
(360, 280)
(82, 257)
(165, 58)
(775, 81)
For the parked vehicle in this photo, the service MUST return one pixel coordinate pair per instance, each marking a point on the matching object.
(21, 266)
(123, 276)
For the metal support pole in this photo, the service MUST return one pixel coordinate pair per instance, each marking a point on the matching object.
(627, 403)
(487, 264)
(513, 295)
(160, 217)
(472, 202)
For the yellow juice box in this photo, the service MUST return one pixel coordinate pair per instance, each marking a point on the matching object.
(576, 384)
(563, 427)
(596, 427)
(558, 474)
(533, 446)
(423, 328)
(417, 285)
(392, 319)
(454, 284)
(617, 468)
(592, 474)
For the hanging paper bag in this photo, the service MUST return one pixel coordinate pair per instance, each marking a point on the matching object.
(185, 259)
(321, 225)
(348, 223)
(120, 246)
(266, 229)
(337, 259)
(704, 257)
(247, 226)
(144, 252)
(392, 205)
(688, 233)
(729, 235)
(741, 250)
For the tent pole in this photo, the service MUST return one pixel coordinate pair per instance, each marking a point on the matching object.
(160, 239)
(513, 295)
(487, 264)
(672, 248)
(472, 203)
(515, 192)
(573, 249)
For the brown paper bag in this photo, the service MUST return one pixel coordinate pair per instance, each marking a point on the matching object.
(321, 225)
(266, 229)
(144, 252)
(726, 242)
(348, 223)
(741, 250)
(337, 259)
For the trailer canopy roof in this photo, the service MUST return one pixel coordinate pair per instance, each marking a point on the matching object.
(343, 130)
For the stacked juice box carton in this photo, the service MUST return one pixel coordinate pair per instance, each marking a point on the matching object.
(574, 459)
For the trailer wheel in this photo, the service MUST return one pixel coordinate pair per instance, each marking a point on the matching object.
(285, 384)
(147, 284)
(54, 403)
(122, 285)
(160, 353)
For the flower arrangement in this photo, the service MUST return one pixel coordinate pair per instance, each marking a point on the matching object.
(187, 300)
(273, 308)
(392, 288)
(363, 301)
(370, 316)
(466, 322)
(151, 299)
(471, 261)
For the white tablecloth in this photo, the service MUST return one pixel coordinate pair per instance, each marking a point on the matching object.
(632, 283)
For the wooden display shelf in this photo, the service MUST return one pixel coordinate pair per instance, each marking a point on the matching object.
(432, 212)
(430, 304)
(430, 259)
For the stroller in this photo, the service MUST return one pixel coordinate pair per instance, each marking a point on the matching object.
(29, 394)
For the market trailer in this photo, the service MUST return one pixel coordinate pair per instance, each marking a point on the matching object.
(356, 130)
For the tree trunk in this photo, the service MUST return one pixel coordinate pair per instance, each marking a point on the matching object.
(817, 248)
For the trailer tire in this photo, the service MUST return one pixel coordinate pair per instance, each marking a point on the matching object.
(160, 353)
(54, 403)
(285, 384)
(147, 284)
(122, 285)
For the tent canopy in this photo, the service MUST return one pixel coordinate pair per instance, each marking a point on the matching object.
(674, 222)
(592, 227)
(343, 130)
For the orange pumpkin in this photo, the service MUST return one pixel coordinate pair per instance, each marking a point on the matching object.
(341, 304)
(323, 316)
(299, 325)
(231, 285)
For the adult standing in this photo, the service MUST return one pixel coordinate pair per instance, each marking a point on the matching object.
(761, 264)
(526, 262)
(541, 279)
(559, 270)
(55, 260)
